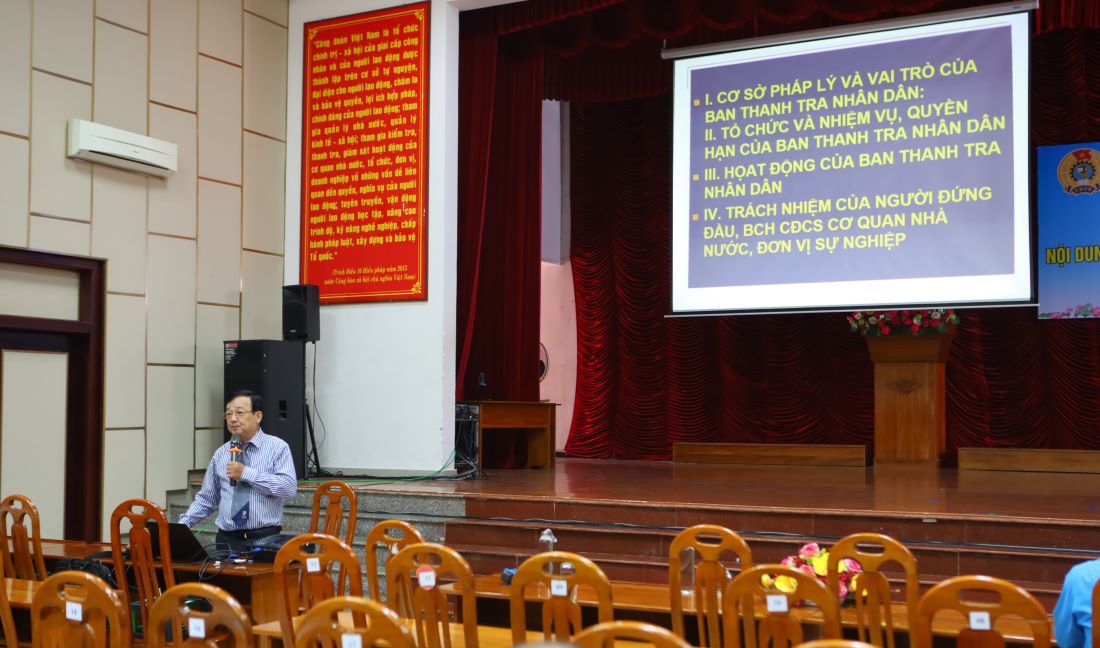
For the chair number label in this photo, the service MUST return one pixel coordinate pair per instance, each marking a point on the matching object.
(559, 587)
(313, 565)
(351, 641)
(196, 628)
(425, 577)
(74, 611)
(980, 621)
(777, 603)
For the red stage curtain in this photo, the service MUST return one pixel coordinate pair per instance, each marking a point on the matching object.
(644, 381)
(500, 107)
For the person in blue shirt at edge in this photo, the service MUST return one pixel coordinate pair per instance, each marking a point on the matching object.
(247, 488)
(1073, 612)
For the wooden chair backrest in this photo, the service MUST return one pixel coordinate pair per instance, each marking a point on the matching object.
(709, 543)
(1013, 601)
(778, 628)
(835, 643)
(332, 501)
(7, 621)
(604, 635)
(20, 547)
(175, 612)
(871, 588)
(326, 624)
(306, 570)
(428, 607)
(561, 615)
(394, 535)
(139, 512)
(103, 621)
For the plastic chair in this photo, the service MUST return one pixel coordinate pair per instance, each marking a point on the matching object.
(337, 499)
(374, 623)
(175, 613)
(74, 608)
(406, 589)
(981, 615)
(871, 589)
(382, 534)
(604, 635)
(709, 543)
(305, 576)
(776, 626)
(561, 615)
(21, 551)
(139, 513)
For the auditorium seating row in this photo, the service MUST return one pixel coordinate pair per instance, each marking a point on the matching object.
(320, 593)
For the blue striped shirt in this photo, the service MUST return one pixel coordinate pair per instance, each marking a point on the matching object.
(268, 469)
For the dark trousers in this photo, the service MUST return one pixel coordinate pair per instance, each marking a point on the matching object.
(238, 541)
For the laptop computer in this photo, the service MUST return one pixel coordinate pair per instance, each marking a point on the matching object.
(183, 544)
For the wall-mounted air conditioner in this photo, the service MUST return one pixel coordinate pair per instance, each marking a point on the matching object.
(123, 149)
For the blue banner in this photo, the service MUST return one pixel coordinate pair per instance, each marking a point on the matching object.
(1069, 230)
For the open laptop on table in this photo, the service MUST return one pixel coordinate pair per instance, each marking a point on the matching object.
(182, 543)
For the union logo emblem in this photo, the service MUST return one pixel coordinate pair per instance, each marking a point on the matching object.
(1077, 172)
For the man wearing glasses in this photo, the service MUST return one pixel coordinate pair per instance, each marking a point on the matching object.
(247, 479)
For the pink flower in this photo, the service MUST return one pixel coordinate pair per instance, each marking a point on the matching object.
(842, 591)
(809, 550)
(789, 561)
(851, 566)
(808, 568)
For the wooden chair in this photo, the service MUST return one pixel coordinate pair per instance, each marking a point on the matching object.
(709, 543)
(327, 623)
(871, 589)
(835, 643)
(75, 608)
(139, 512)
(561, 615)
(175, 612)
(394, 535)
(427, 605)
(604, 635)
(980, 616)
(336, 499)
(306, 570)
(21, 550)
(7, 621)
(776, 626)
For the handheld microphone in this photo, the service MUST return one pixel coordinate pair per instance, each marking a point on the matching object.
(235, 454)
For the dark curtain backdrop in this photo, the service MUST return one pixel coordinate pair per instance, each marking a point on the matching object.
(645, 381)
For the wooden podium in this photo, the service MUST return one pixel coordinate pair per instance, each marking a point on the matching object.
(910, 418)
(536, 419)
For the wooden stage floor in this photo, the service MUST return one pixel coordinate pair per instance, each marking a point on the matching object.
(1027, 527)
(887, 490)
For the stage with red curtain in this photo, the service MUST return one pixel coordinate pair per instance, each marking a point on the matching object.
(645, 381)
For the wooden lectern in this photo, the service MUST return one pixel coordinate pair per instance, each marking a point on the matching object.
(535, 419)
(910, 417)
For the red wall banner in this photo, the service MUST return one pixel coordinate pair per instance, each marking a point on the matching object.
(364, 156)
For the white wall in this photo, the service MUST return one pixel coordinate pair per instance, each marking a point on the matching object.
(558, 333)
(385, 372)
(190, 261)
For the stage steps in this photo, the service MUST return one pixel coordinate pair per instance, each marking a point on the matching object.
(633, 552)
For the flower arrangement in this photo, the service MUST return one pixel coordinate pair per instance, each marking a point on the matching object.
(1073, 312)
(913, 322)
(814, 560)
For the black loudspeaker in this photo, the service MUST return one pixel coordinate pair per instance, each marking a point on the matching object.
(276, 370)
(301, 313)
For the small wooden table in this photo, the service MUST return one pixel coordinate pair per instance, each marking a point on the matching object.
(535, 418)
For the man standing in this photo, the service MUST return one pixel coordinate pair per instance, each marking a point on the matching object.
(247, 479)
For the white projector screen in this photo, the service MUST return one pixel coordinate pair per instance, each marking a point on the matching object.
(887, 168)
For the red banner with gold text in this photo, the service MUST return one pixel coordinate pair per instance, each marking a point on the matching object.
(364, 155)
